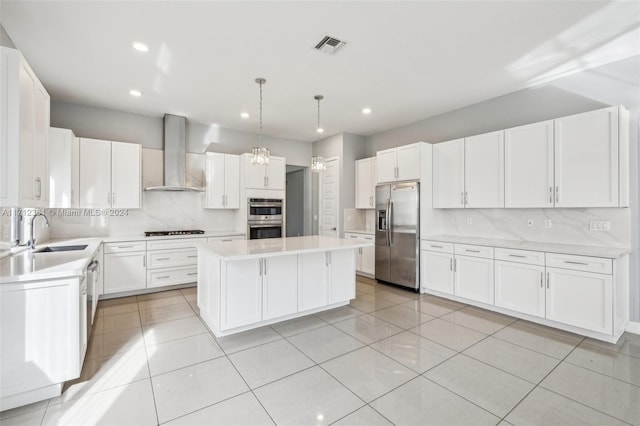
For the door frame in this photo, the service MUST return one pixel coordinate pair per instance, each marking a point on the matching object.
(321, 200)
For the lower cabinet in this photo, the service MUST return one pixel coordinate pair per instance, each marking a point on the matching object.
(313, 290)
(279, 286)
(474, 278)
(340, 276)
(365, 256)
(437, 271)
(241, 293)
(520, 287)
(125, 271)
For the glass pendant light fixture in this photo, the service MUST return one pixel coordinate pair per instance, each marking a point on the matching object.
(260, 152)
(318, 162)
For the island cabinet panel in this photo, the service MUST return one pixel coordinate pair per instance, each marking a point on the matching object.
(342, 280)
(279, 286)
(312, 289)
(241, 293)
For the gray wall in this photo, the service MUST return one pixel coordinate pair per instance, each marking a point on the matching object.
(295, 203)
(5, 40)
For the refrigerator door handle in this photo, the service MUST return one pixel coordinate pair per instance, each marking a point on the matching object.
(390, 222)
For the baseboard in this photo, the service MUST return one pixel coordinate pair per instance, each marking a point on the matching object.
(633, 327)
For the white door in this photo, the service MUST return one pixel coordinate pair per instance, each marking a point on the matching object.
(364, 175)
(232, 181)
(276, 173)
(528, 166)
(342, 277)
(436, 271)
(125, 272)
(484, 170)
(41, 136)
(520, 287)
(241, 293)
(329, 200)
(409, 162)
(448, 174)
(279, 286)
(474, 278)
(312, 283)
(387, 161)
(586, 159)
(125, 175)
(95, 173)
(215, 180)
(582, 299)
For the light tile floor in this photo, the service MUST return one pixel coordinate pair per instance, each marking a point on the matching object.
(392, 357)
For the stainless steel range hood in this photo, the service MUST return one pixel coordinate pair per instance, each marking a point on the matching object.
(175, 156)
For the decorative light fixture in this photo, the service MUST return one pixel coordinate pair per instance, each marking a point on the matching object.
(135, 93)
(140, 47)
(366, 110)
(260, 153)
(318, 162)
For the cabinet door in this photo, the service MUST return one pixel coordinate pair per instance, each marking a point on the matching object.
(342, 275)
(63, 168)
(255, 176)
(364, 175)
(276, 172)
(241, 293)
(474, 278)
(368, 258)
(528, 165)
(586, 159)
(232, 181)
(279, 286)
(40, 138)
(582, 299)
(436, 271)
(312, 282)
(408, 162)
(448, 174)
(95, 173)
(26, 137)
(387, 162)
(520, 287)
(126, 178)
(484, 170)
(125, 271)
(215, 180)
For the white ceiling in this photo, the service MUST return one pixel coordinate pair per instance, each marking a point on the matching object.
(406, 60)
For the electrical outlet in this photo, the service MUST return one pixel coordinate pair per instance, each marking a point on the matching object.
(530, 222)
(599, 225)
(547, 223)
(469, 221)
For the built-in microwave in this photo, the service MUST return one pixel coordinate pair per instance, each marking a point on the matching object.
(264, 209)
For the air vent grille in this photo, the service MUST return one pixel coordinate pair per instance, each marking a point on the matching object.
(329, 45)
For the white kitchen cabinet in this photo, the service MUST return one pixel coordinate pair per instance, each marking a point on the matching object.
(436, 271)
(110, 174)
(484, 170)
(222, 173)
(279, 286)
(24, 120)
(340, 276)
(125, 271)
(528, 166)
(520, 287)
(586, 159)
(398, 164)
(365, 256)
(312, 287)
(366, 180)
(225, 239)
(271, 176)
(64, 168)
(448, 174)
(241, 293)
(474, 278)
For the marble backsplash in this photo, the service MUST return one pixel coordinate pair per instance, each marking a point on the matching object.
(569, 226)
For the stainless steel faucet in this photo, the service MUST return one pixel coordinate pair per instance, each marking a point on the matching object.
(32, 241)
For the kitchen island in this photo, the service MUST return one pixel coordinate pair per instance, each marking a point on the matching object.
(246, 284)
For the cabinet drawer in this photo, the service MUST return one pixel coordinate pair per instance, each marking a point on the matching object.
(474, 251)
(174, 244)
(436, 246)
(167, 258)
(580, 263)
(520, 256)
(125, 247)
(355, 236)
(165, 277)
(225, 239)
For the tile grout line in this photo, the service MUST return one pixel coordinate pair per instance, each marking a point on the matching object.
(146, 354)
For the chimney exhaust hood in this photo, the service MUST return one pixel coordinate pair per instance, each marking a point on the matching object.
(175, 156)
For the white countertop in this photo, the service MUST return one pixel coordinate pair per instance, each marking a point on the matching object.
(360, 231)
(30, 266)
(141, 237)
(246, 249)
(606, 252)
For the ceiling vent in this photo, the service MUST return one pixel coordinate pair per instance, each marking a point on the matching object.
(329, 45)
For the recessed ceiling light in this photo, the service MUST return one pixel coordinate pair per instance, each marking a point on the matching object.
(135, 93)
(320, 130)
(366, 110)
(244, 114)
(140, 47)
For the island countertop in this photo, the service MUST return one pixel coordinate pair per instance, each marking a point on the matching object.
(247, 249)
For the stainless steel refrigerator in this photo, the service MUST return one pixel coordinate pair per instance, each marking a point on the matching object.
(397, 236)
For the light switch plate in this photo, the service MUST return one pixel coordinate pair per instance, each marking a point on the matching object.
(469, 221)
(547, 223)
(599, 225)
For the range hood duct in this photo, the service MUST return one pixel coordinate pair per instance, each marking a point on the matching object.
(175, 156)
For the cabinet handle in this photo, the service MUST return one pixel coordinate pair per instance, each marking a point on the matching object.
(550, 194)
(163, 258)
(541, 278)
(144, 261)
(576, 263)
(557, 194)
(124, 247)
(455, 265)
(260, 266)
(472, 251)
(192, 273)
(433, 245)
(451, 264)
(72, 196)
(222, 201)
(548, 280)
(113, 198)
(195, 255)
(109, 198)
(265, 266)
(462, 198)
(38, 189)
(163, 277)
(466, 198)
(267, 181)
(224, 241)
(518, 255)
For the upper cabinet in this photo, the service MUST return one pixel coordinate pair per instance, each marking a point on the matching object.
(222, 181)
(576, 161)
(366, 183)
(271, 176)
(397, 164)
(24, 120)
(110, 174)
(64, 168)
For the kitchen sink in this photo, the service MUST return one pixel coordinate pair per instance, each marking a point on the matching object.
(53, 249)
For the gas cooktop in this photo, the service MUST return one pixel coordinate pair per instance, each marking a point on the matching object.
(167, 233)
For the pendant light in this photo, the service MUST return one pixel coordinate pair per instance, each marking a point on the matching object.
(318, 162)
(260, 152)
